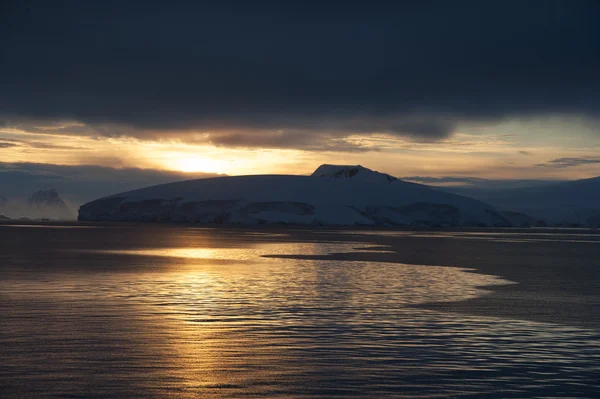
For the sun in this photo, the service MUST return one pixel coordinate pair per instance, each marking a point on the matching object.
(193, 163)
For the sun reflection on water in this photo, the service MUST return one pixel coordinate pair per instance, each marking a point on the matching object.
(216, 319)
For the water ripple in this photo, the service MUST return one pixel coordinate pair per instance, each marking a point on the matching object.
(188, 322)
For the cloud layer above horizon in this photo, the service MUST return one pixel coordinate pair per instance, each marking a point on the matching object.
(463, 89)
(296, 74)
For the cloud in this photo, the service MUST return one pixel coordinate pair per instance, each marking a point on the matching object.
(10, 143)
(325, 134)
(238, 70)
(570, 162)
(525, 153)
(470, 185)
(81, 183)
(51, 146)
(306, 140)
(444, 180)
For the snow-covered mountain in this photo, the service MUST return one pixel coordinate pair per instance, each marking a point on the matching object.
(357, 172)
(43, 204)
(46, 204)
(570, 203)
(565, 203)
(332, 195)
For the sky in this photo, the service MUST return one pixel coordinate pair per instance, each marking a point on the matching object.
(125, 94)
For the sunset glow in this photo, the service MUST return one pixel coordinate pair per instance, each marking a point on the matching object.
(192, 163)
(494, 151)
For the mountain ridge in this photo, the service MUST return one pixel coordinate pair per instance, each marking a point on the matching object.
(565, 203)
(332, 195)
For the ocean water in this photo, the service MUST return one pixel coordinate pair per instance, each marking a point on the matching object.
(128, 311)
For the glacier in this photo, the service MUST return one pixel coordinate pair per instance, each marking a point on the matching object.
(334, 195)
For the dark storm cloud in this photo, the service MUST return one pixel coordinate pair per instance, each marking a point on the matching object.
(81, 183)
(569, 162)
(411, 68)
(288, 139)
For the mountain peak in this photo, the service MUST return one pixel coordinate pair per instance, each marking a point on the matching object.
(357, 172)
(48, 204)
(45, 197)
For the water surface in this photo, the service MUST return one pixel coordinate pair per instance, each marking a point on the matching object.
(161, 311)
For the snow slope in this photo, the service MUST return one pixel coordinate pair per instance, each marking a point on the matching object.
(570, 203)
(333, 195)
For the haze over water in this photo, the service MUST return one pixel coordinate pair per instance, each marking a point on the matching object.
(121, 311)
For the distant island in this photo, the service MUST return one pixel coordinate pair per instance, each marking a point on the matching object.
(41, 205)
(334, 195)
(349, 195)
